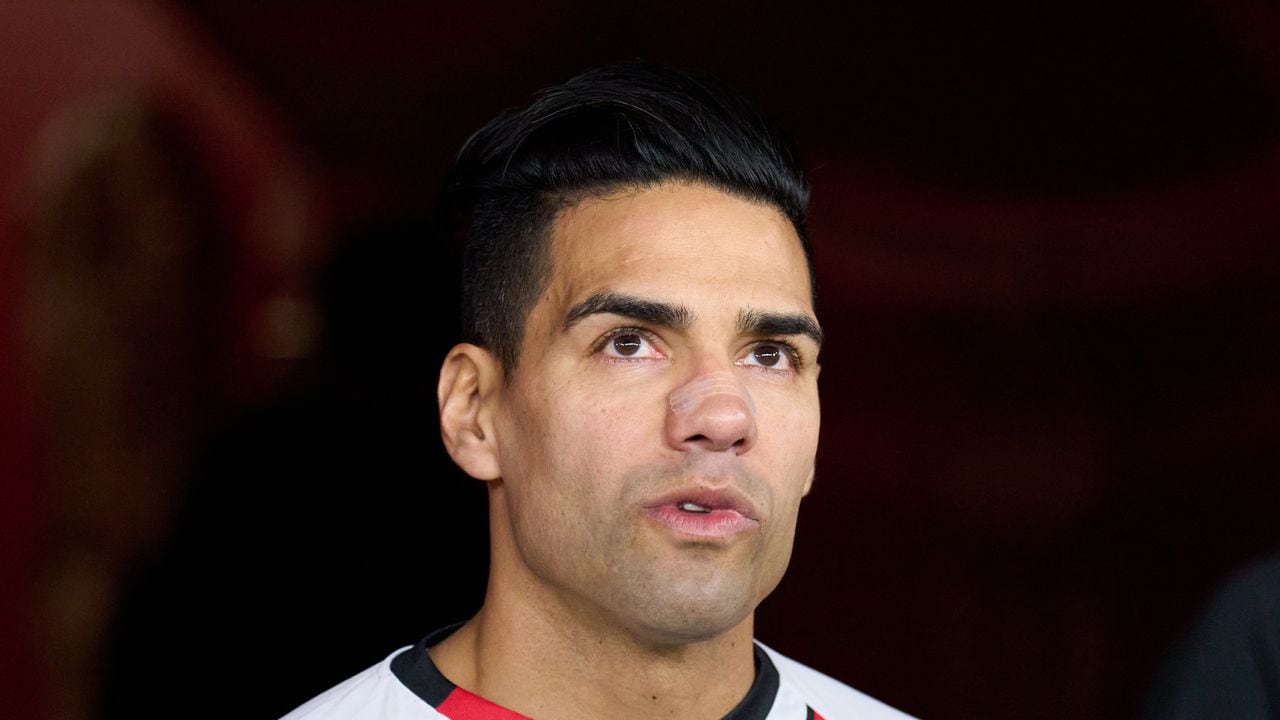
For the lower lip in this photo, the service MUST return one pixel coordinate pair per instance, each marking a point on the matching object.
(715, 524)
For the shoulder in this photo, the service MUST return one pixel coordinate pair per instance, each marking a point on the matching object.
(830, 698)
(375, 694)
(1225, 665)
(1253, 593)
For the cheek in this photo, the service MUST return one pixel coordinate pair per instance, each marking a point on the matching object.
(564, 449)
(775, 555)
(787, 448)
(788, 425)
(622, 419)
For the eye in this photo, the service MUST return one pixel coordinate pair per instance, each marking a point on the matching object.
(771, 355)
(628, 344)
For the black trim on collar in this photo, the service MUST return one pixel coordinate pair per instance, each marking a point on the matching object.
(759, 699)
(414, 669)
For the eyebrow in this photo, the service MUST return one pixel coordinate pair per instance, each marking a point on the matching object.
(761, 322)
(679, 317)
(654, 312)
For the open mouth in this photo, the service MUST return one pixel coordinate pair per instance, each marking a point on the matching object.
(702, 518)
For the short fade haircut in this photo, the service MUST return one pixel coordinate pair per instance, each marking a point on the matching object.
(620, 126)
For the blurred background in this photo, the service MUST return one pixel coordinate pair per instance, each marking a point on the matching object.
(1046, 239)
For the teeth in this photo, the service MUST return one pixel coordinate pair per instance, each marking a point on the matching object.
(693, 507)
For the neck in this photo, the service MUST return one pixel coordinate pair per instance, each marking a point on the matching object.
(528, 651)
(557, 675)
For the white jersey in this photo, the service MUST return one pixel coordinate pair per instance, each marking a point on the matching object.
(407, 686)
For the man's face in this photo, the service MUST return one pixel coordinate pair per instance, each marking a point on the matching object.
(660, 428)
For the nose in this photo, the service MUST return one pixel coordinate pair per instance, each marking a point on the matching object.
(712, 412)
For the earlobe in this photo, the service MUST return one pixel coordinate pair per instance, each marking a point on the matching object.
(469, 378)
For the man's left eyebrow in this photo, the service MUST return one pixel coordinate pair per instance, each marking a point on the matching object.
(761, 322)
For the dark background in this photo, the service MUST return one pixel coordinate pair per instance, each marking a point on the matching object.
(1046, 239)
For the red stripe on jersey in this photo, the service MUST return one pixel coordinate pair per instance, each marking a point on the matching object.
(816, 716)
(463, 705)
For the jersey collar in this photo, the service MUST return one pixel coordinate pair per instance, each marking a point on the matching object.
(414, 669)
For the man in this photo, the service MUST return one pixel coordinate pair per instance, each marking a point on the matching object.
(639, 392)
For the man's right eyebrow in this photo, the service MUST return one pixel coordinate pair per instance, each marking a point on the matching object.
(652, 312)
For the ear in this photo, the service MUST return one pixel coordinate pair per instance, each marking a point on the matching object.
(469, 381)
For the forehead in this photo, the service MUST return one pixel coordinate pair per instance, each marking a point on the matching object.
(675, 239)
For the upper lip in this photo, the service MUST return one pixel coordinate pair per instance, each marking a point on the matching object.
(723, 497)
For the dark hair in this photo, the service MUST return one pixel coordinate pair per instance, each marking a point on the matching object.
(616, 126)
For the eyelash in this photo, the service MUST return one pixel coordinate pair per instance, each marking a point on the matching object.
(792, 352)
(619, 332)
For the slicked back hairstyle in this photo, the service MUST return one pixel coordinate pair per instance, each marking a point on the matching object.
(629, 125)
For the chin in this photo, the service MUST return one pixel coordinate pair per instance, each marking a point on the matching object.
(672, 617)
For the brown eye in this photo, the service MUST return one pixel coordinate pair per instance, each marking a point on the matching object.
(627, 345)
(767, 355)
(771, 356)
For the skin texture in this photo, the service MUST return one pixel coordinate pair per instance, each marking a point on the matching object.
(596, 605)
